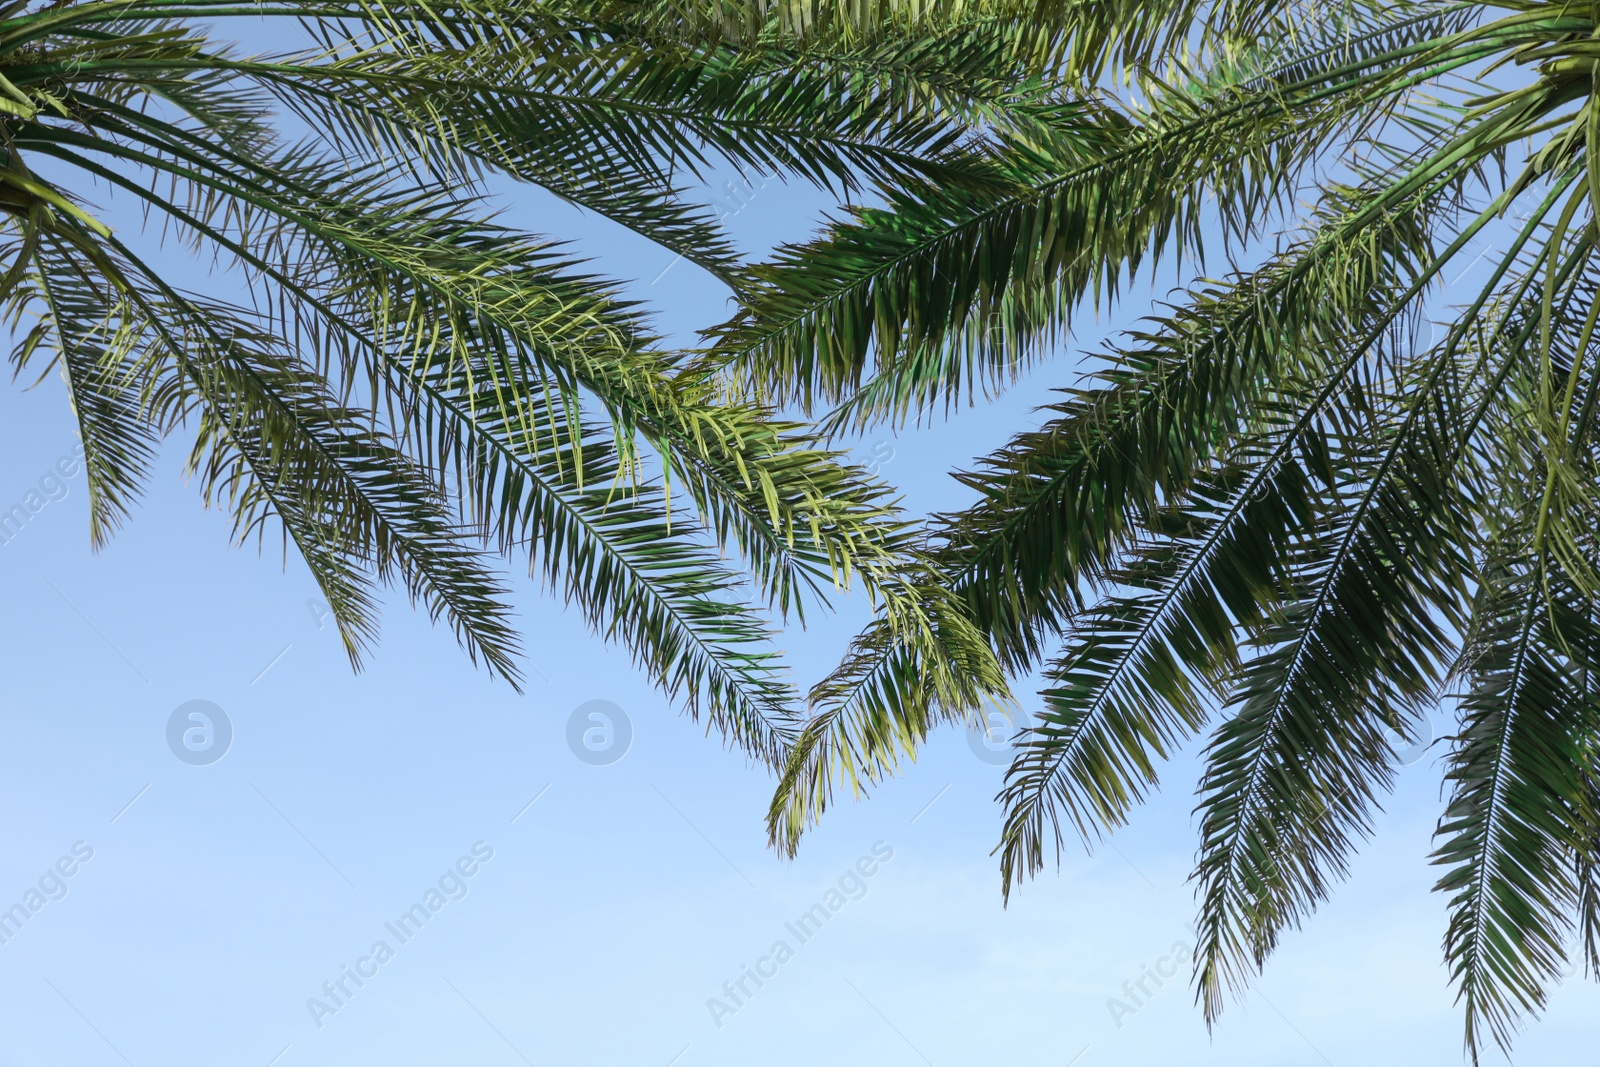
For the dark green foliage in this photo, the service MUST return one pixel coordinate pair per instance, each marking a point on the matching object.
(412, 390)
(1277, 512)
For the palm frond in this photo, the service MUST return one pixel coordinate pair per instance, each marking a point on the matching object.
(951, 289)
(1508, 836)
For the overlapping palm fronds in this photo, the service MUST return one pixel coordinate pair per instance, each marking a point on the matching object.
(1277, 512)
(412, 390)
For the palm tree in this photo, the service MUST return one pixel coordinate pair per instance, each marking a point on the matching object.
(408, 389)
(1311, 502)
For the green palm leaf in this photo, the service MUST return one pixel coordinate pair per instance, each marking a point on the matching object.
(1276, 504)
(416, 389)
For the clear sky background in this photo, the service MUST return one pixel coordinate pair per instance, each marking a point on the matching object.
(619, 898)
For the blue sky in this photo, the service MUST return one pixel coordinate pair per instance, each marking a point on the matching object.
(607, 904)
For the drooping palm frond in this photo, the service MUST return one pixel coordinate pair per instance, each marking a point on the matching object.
(1279, 512)
(413, 389)
(952, 289)
(1516, 777)
(1060, 503)
(1355, 642)
(94, 337)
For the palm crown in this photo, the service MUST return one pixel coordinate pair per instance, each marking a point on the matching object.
(1303, 506)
